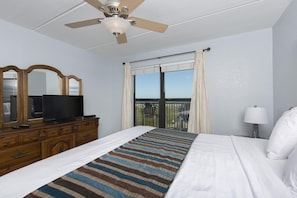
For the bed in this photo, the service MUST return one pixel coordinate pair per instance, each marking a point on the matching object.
(215, 166)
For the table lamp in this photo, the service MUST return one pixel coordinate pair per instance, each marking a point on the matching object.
(255, 115)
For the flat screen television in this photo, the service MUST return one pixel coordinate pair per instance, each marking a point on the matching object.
(61, 108)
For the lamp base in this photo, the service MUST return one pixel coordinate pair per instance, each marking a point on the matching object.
(255, 132)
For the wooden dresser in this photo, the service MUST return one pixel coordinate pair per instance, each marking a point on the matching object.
(21, 147)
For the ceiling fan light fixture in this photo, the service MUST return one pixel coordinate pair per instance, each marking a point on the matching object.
(116, 25)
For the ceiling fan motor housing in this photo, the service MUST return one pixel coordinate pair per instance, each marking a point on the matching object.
(114, 9)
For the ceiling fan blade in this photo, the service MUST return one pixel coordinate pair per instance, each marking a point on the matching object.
(149, 25)
(130, 4)
(98, 5)
(122, 38)
(84, 23)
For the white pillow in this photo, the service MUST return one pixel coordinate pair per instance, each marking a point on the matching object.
(284, 136)
(290, 175)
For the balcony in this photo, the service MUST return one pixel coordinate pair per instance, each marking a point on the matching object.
(176, 113)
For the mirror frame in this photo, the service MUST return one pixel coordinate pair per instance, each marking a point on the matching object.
(19, 94)
(22, 102)
(25, 89)
(79, 84)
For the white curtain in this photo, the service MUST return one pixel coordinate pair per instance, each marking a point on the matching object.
(127, 103)
(199, 118)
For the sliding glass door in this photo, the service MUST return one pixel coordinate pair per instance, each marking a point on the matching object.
(163, 99)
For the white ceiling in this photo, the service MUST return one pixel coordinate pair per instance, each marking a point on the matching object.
(189, 21)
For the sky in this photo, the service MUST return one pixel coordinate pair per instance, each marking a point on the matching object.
(178, 84)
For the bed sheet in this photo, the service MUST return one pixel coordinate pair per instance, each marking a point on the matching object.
(260, 145)
(229, 166)
(211, 169)
(216, 166)
(265, 176)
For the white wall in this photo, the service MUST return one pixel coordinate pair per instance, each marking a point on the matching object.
(285, 61)
(238, 69)
(239, 75)
(22, 47)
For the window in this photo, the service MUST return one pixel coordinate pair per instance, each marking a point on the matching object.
(163, 99)
(147, 95)
(178, 92)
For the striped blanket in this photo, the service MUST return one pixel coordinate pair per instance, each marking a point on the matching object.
(143, 167)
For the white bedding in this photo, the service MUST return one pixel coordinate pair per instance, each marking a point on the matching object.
(260, 171)
(216, 166)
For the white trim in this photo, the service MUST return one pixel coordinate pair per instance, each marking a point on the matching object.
(145, 70)
(176, 66)
(166, 67)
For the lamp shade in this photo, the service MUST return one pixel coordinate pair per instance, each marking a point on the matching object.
(116, 25)
(256, 115)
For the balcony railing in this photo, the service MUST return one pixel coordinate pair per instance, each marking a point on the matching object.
(176, 113)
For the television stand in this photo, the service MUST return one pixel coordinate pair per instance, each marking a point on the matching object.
(19, 148)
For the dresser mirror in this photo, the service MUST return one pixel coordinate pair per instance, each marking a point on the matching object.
(49, 82)
(22, 89)
(74, 85)
(41, 80)
(11, 86)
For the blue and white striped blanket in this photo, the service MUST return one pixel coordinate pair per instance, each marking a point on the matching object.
(143, 167)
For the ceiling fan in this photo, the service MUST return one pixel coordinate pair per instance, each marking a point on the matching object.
(117, 19)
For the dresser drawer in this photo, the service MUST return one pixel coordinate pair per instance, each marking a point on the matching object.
(52, 132)
(8, 140)
(86, 125)
(67, 129)
(29, 136)
(56, 131)
(20, 155)
(87, 136)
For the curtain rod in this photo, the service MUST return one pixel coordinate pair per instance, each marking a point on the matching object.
(204, 50)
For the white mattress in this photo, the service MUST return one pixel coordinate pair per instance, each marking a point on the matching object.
(216, 166)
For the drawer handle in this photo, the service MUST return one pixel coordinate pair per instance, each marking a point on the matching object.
(19, 155)
(87, 136)
(6, 144)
